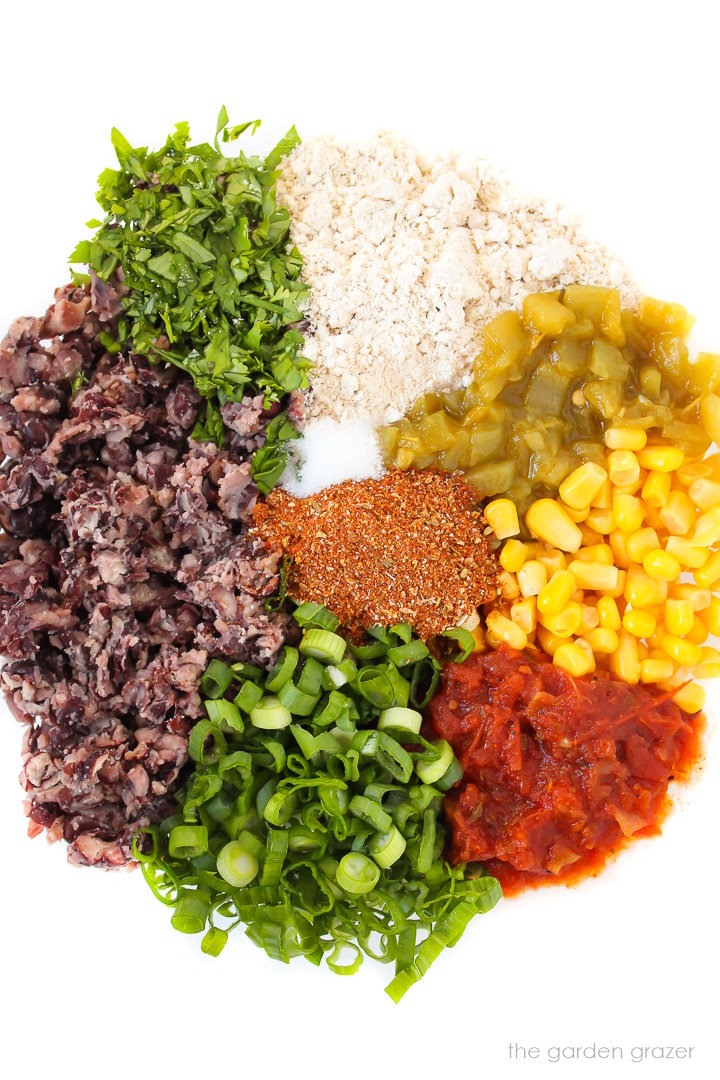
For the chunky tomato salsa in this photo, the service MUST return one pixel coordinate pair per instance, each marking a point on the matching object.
(558, 772)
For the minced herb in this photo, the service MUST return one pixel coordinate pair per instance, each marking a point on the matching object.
(213, 282)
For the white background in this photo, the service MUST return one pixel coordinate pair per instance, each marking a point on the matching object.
(609, 107)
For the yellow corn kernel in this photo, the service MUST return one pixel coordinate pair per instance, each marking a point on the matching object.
(577, 516)
(552, 560)
(572, 658)
(711, 616)
(480, 645)
(608, 613)
(698, 632)
(594, 575)
(708, 575)
(679, 616)
(532, 576)
(619, 589)
(678, 514)
(548, 642)
(500, 629)
(602, 640)
(547, 520)
(708, 669)
(705, 493)
(596, 553)
(690, 698)
(641, 590)
(688, 555)
(618, 543)
(582, 485)
(513, 555)
(661, 458)
(524, 614)
(590, 536)
(502, 518)
(634, 487)
(553, 597)
(656, 489)
(623, 467)
(639, 622)
(600, 521)
(693, 470)
(625, 661)
(710, 415)
(603, 499)
(509, 588)
(641, 543)
(707, 528)
(565, 623)
(661, 566)
(584, 645)
(709, 655)
(589, 618)
(683, 652)
(699, 597)
(654, 670)
(625, 438)
(628, 511)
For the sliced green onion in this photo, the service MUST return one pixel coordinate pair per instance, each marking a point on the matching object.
(283, 670)
(403, 630)
(270, 714)
(310, 678)
(335, 706)
(236, 865)
(313, 615)
(375, 686)
(276, 849)
(368, 652)
(226, 714)
(323, 645)
(464, 639)
(216, 679)
(204, 730)
(423, 682)
(191, 911)
(357, 874)
(406, 720)
(400, 685)
(409, 653)
(249, 696)
(187, 841)
(427, 842)
(371, 812)
(303, 839)
(386, 848)
(220, 807)
(432, 769)
(280, 807)
(451, 777)
(249, 671)
(296, 701)
(251, 843)
(214, 941)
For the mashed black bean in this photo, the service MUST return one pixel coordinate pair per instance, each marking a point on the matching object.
(125, 563)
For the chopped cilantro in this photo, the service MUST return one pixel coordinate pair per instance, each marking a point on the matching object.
(213, 284)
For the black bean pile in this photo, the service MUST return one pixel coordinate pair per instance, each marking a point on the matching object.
(125, 564)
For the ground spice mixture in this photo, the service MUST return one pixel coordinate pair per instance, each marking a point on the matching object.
(410, 547)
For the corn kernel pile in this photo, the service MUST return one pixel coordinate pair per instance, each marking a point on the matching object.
(621, 569)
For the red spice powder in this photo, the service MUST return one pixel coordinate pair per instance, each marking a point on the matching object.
(409, 547)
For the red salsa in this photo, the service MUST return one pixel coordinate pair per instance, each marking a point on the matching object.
(558, 772)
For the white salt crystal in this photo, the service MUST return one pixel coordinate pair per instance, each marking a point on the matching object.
(329, 452)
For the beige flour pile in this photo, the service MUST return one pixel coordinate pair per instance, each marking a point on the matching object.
(408, 258)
